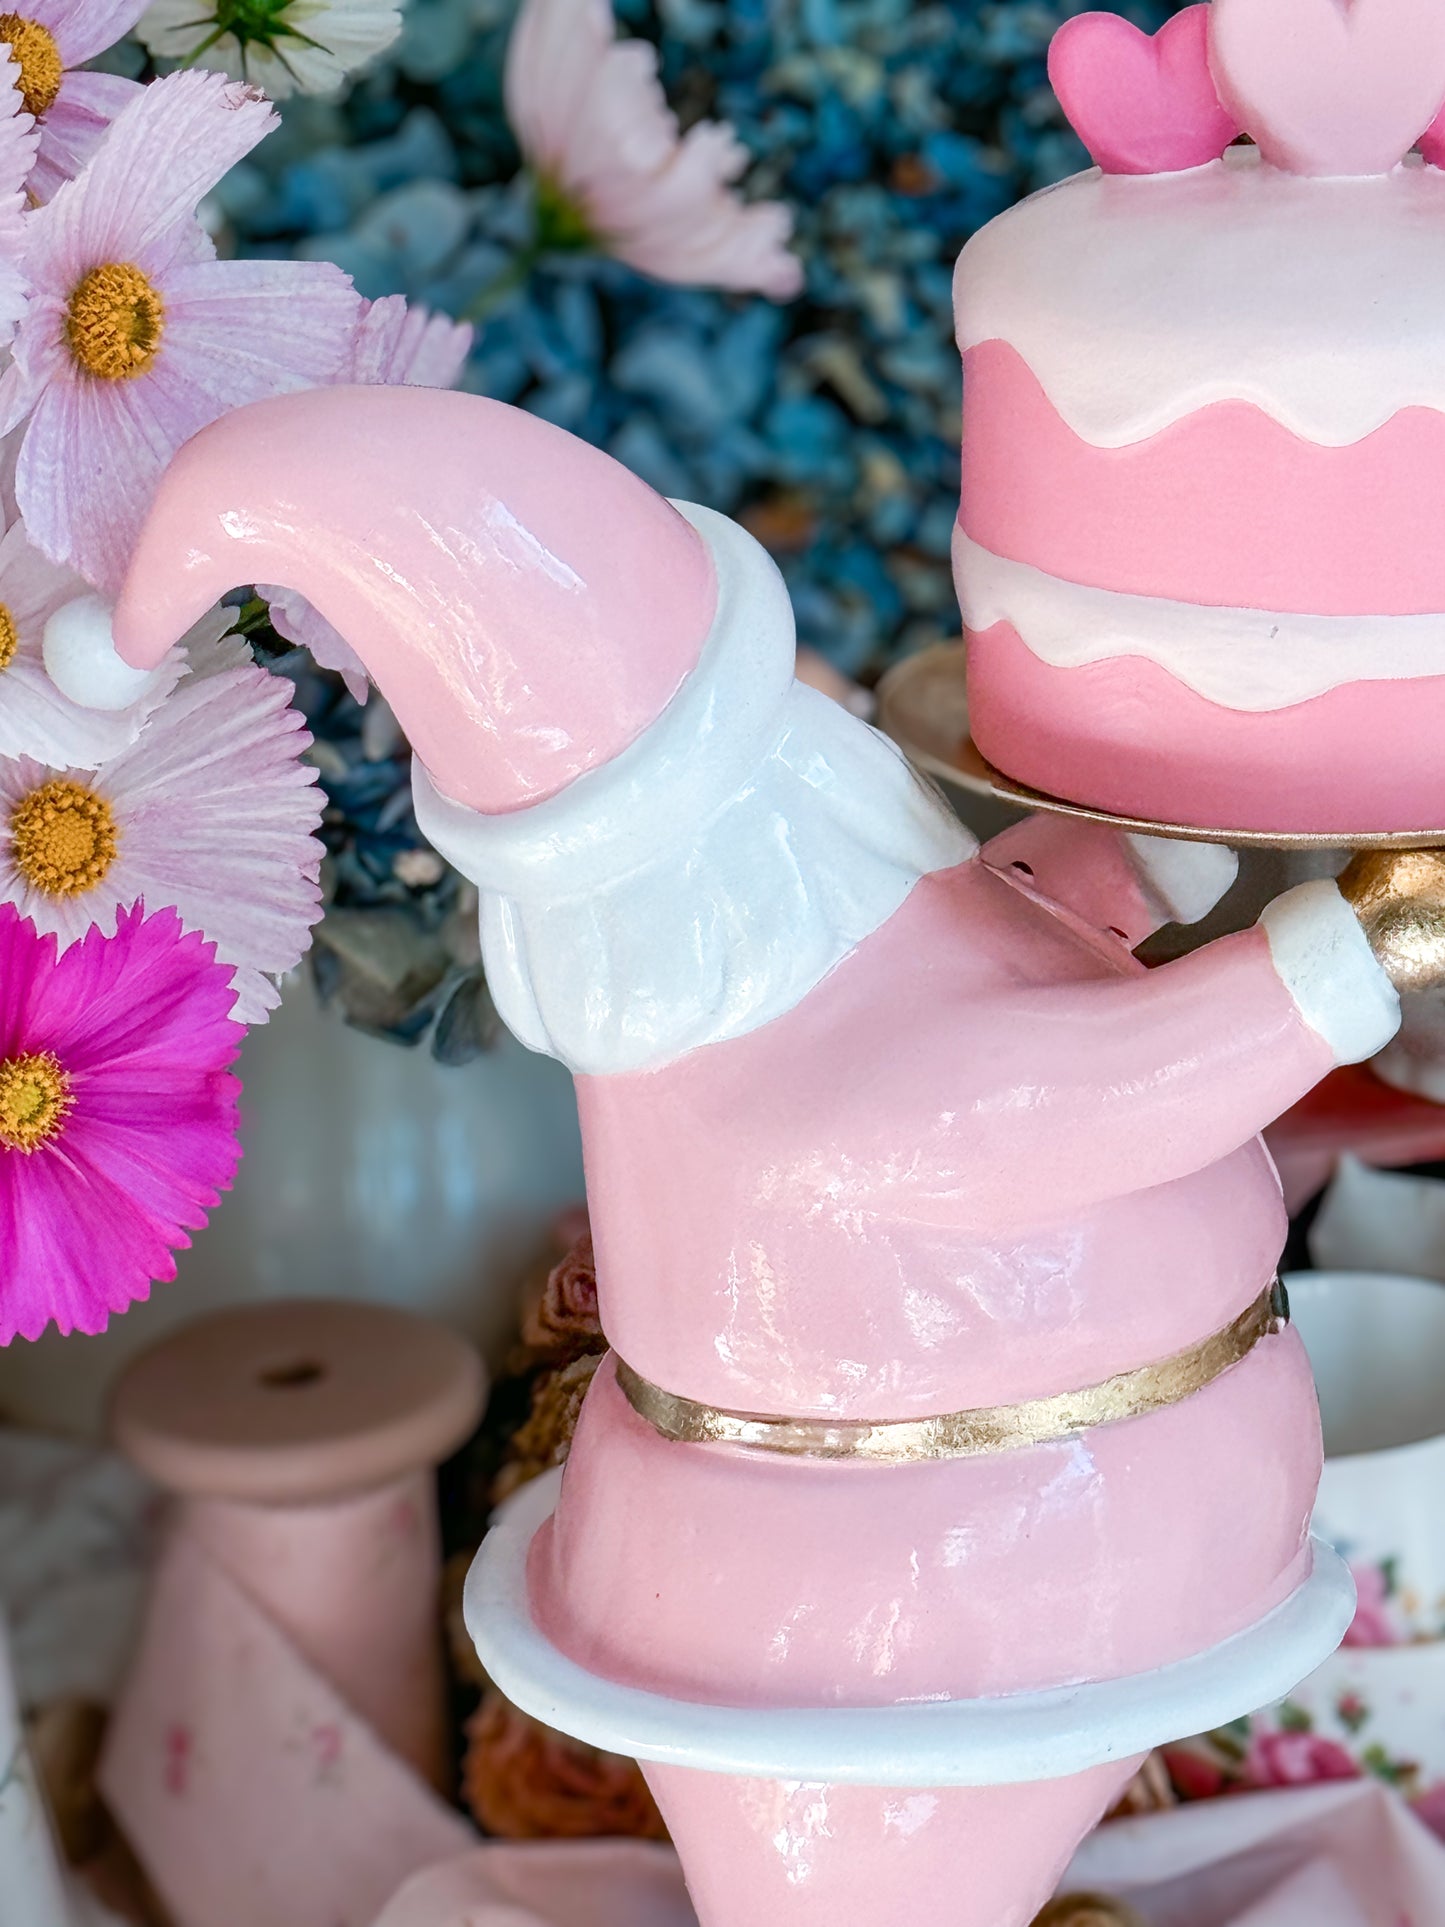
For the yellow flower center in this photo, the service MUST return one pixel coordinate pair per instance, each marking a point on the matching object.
(35, 1100)
(115, 322)
(34, 51)
(64, 837)
(9, 638)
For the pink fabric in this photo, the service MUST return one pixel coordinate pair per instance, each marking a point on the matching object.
(881, 1206)
(527, 605)
(253, 1795)
(353, 1585)
(1331, 89)
(553, 1883)
(853, 1585)
(1141, 105)
(1123, 735)
(759, 1853)
(1341, 1855)
(1225, 507)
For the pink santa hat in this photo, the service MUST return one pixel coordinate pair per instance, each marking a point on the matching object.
(599, 690)
(528, 605)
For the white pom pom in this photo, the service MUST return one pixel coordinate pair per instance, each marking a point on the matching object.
(80, 658)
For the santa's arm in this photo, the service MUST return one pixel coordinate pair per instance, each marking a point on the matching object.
(1132, 885)
(1045, 1099)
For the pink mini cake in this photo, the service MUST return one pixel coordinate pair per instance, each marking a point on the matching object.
(1201, 548)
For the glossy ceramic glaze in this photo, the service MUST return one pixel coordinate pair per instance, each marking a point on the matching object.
(486, 565)
(874, 1127)
(825, 1585)
(1035, 1171)
(758, 1852)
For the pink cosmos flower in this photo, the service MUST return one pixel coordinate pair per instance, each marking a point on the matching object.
(211, 812)
(1280, 1758)
(18, 141)
(591, 118)
(52, 40)
(118, 1114)
(394, 346)
(136, 336)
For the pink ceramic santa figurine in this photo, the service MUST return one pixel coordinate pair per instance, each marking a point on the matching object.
(954, 1450)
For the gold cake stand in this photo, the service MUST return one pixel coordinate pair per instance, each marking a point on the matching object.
(923, 706)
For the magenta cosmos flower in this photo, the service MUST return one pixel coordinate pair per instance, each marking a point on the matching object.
(612, 168)
(51, 40)
(118, 1114)
(136, 336)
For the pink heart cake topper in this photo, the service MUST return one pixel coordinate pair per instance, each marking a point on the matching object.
(1141, 105)
(1331, 87)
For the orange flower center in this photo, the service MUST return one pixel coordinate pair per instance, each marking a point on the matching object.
(64, 837)
(115, 322)
(34, 51)
(9, 638)
(35, 1100)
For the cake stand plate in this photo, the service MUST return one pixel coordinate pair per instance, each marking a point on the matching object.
(923, 706)
(1013, 1740)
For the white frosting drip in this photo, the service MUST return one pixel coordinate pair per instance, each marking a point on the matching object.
(1245, 659)
(1138, 299)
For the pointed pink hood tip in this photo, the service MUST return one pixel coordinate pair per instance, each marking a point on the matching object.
(526, 605)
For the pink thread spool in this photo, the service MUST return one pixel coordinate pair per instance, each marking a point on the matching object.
(300, 1440)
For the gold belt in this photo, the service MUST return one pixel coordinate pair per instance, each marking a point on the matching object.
(958, 1435)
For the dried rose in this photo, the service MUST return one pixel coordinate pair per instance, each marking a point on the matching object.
(523, 1781)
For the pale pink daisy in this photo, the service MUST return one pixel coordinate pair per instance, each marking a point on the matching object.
(395, 346)
(36, 719)
(212, 812)
(592, 120)
(118, 1114)
(136, 336)
(18, 140)
(52, 40)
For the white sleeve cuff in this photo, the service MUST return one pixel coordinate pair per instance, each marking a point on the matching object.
(1182, 880)
(1325, 962)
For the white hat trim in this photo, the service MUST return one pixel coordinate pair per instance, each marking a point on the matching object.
(704, 880)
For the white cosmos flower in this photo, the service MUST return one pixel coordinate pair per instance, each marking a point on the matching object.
(304, 47)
